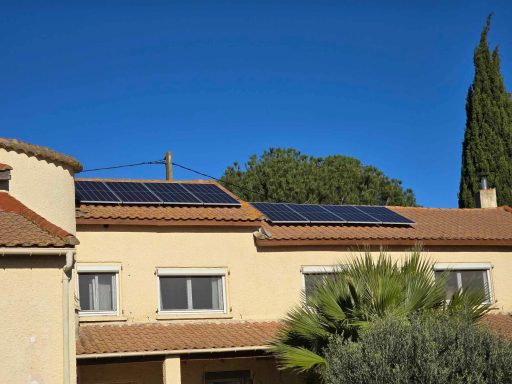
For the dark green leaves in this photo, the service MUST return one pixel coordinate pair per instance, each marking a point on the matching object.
(286, 175)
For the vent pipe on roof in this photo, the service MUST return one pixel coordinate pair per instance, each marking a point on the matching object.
(486, 197)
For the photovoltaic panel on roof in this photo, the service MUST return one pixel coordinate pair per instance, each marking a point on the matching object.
(94, 192)
(210, 194)
(133, 192)
(385, 215)
(173, 193)
(280, 213)
(316, 213)
(351, 214)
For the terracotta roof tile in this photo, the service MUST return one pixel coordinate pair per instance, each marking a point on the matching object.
(433, 226)
(5, 167)
(107, 339)
(501, 324)
(166, 214)
(22, 227)
(41, 153)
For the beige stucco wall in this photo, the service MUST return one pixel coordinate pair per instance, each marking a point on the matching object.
(262, 284)
(263, 371)
(44, 187)
(31, 320)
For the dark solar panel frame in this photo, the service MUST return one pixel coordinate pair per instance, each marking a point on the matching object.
(385, 215)
(316, 213)
(133, 192)
(210, 194)
(280, 213)
(351, 214)
(94, 192)
(173, 193)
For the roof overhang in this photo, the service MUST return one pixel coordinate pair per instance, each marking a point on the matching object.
(388, 242)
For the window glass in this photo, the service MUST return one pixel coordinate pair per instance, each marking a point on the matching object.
(207, 292)
(311, 281)
(475, 280)
(173, 293)
(191, 293)
(466, 279)
(97, 292)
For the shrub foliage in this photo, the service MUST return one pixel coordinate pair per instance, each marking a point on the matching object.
(425, 349)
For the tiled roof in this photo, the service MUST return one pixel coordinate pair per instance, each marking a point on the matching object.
(112, 339)
(22, 227)
(434, 226)
(5, 167)
(500, 324)
(41, 153)
(167, 214)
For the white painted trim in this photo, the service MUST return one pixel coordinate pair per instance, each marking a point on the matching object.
(318, 269)
(173, 352)
(191, 271)
(92, 268)
(181, 272)
(461, 266)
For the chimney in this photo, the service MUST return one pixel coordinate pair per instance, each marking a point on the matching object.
(5, 176)
(486, 197)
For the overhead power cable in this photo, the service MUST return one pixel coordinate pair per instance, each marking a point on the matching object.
(177, 165)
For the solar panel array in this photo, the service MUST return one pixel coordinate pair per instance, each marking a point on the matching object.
(286, 213)
(128, 192)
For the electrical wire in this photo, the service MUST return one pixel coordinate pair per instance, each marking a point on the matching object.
(123, 166)
(177, 165)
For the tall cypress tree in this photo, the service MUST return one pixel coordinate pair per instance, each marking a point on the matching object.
(487, 147)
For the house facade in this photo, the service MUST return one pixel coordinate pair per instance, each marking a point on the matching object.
(193, 294)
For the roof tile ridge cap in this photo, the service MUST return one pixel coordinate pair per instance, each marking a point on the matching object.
(17, 207)
(41, 151)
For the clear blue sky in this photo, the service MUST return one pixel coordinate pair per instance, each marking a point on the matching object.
(215, 81)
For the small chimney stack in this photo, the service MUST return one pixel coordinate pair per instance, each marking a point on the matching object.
(5, 176)
(486, 197)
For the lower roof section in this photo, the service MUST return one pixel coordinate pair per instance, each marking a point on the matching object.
(434, 226)
(103, 341)
(22, 227)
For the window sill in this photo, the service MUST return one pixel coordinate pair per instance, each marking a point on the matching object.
(192, 316)
(100, 318)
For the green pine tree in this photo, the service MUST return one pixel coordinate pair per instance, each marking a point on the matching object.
(487, 147)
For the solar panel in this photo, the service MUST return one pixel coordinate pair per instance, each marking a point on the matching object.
(280, 213)
(94, 192)
(315, 213)
(385, 215)
(173, 193)
(210, 194)
(133, 193)
(351, 214)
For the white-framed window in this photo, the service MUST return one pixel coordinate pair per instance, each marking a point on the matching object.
(98, 290)
(466, 275)
(312, 275)
(192, 290)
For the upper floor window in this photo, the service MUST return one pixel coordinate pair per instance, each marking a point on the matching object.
(465, 276)
(314, 275)
(98, 292)
(192, 290)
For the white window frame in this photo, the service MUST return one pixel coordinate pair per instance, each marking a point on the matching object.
(99, 268)
(315, 270)
(192, 272)
(441, 267)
